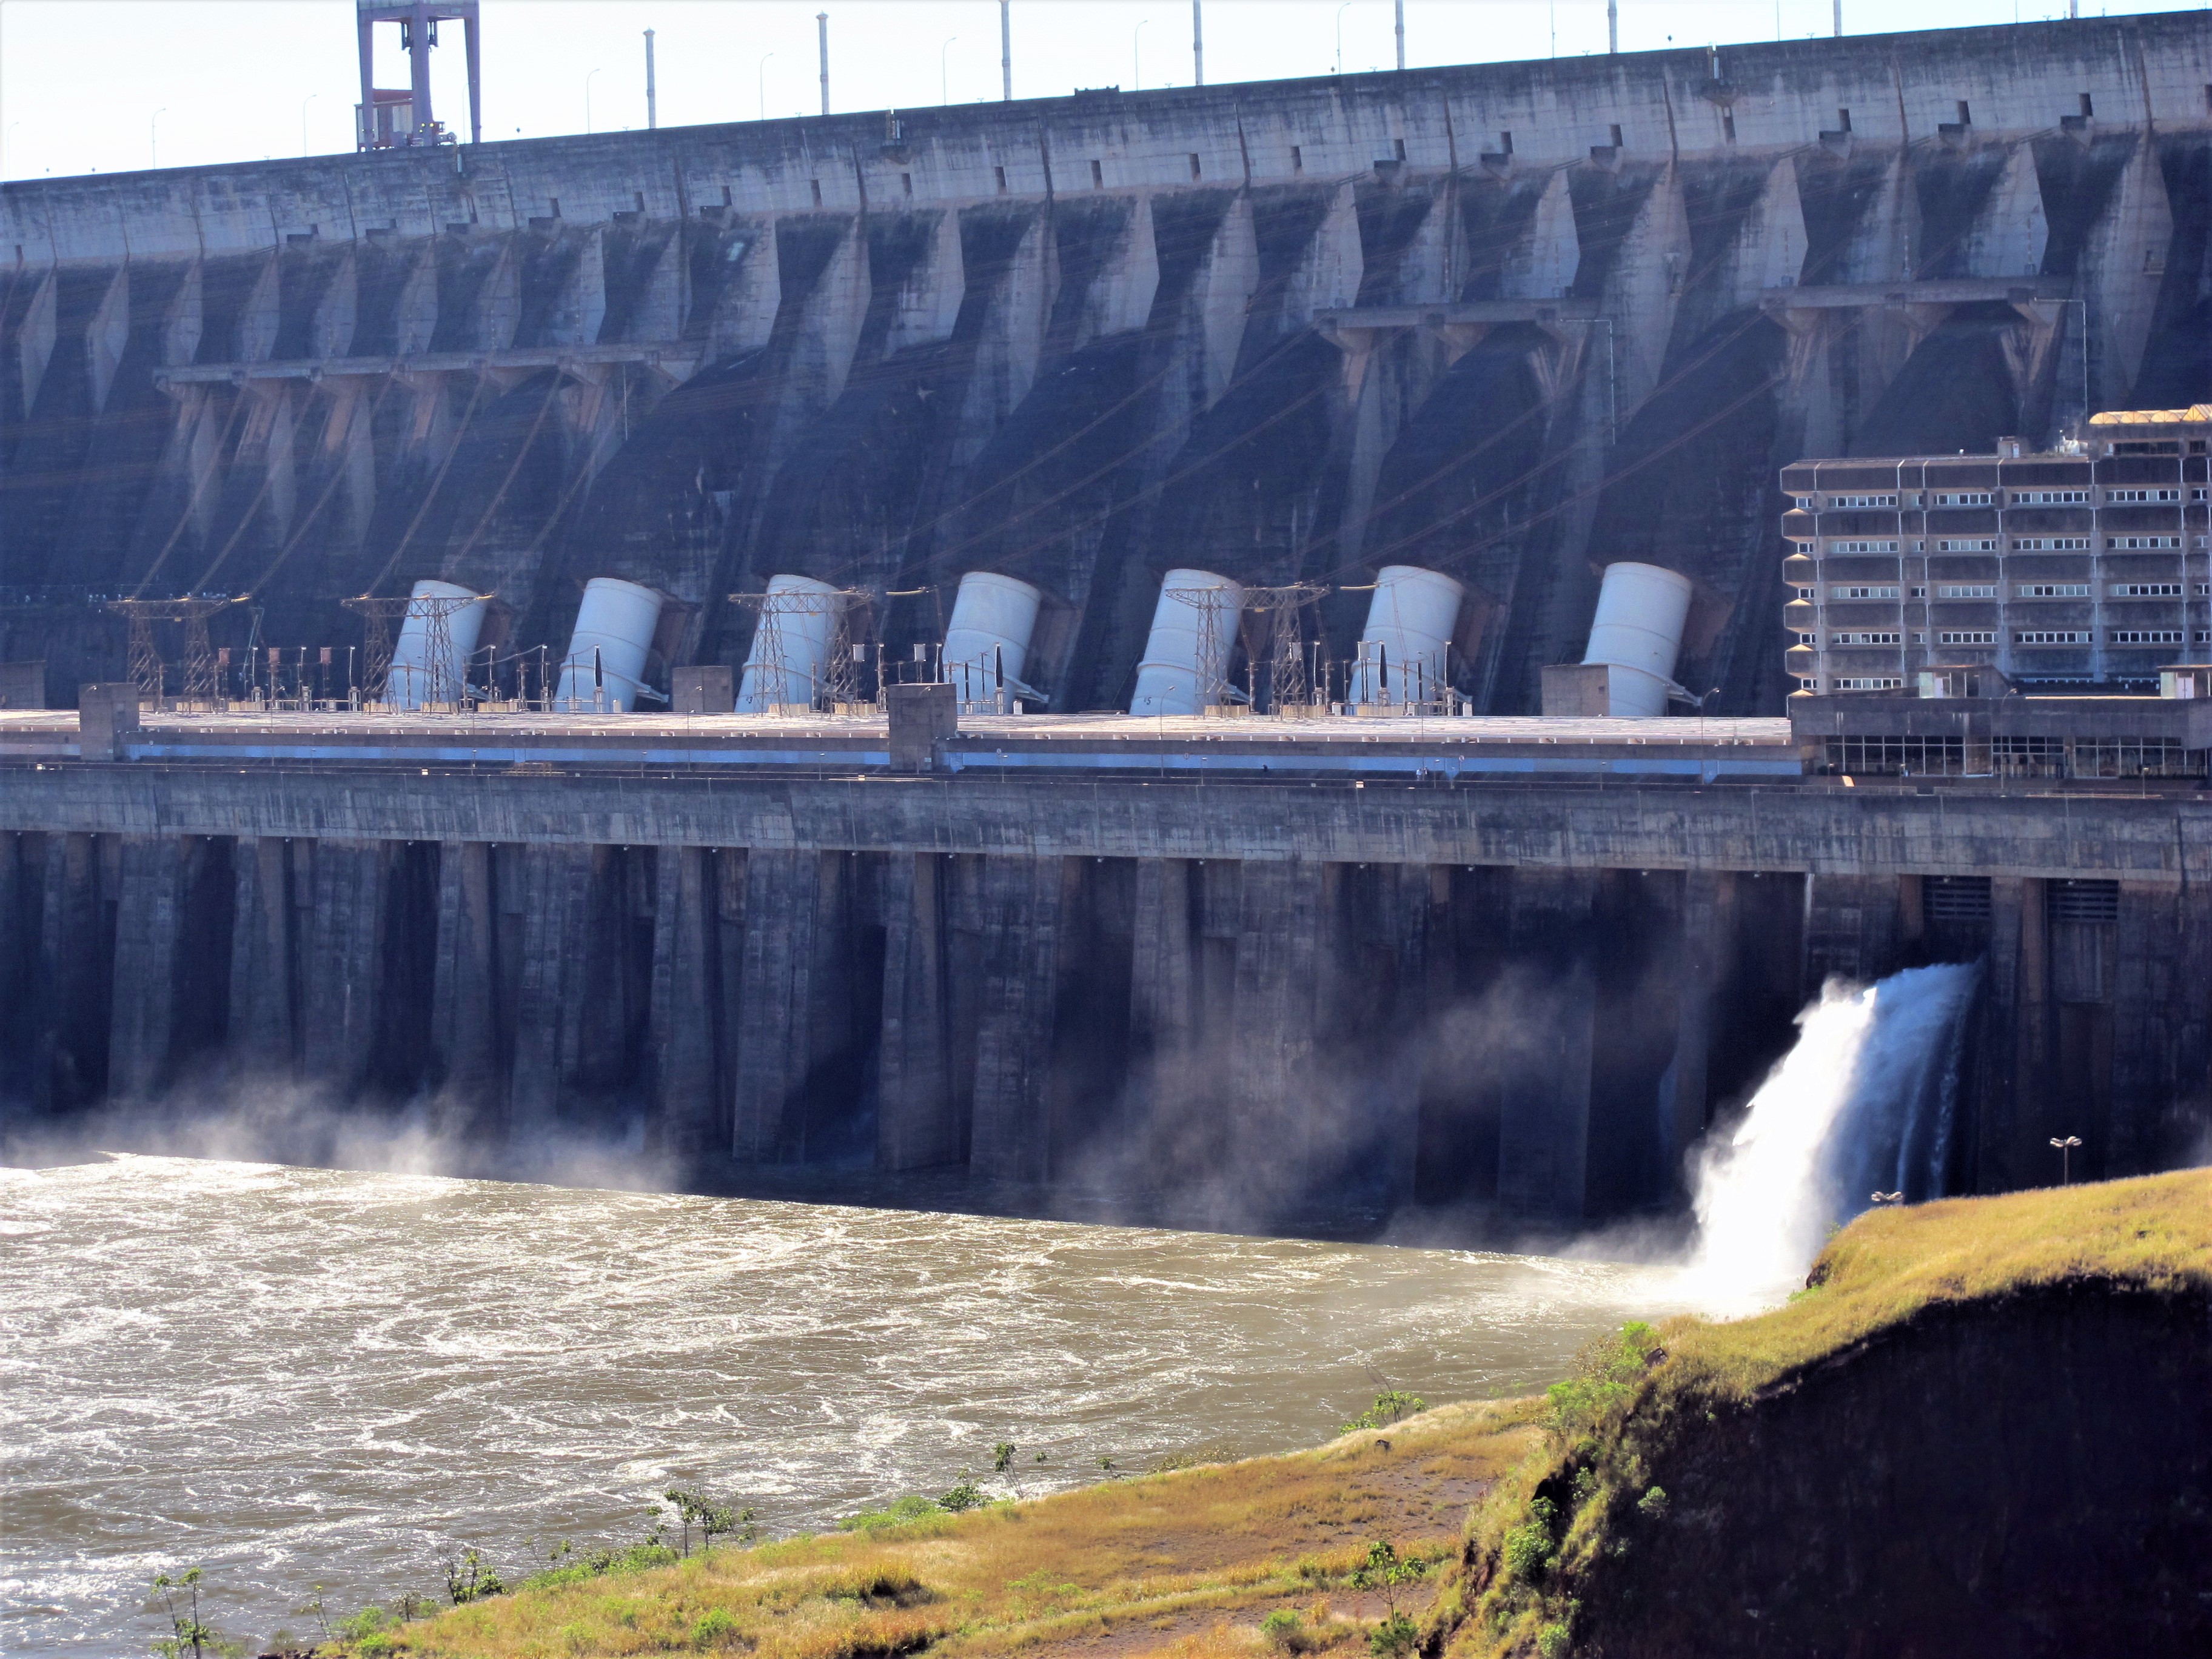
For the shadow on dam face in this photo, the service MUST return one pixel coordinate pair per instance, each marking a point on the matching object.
(1290, 331)
(1459, 1055)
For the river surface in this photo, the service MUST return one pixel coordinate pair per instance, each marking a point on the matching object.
(301, 1376)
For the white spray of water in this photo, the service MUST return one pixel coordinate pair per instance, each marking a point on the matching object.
(1864, 1097)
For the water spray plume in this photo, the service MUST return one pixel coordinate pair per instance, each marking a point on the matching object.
(1866, 1097)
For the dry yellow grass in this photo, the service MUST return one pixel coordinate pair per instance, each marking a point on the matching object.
(1184, 1562)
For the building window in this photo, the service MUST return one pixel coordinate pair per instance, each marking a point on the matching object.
(1967, 544)
(2050, 498)
(2146, 590)
(1967, 636)
(1868, 682)
(1889, 592)
(2052, 637)
(1967, 590)
(1841, 503)
(2141, 544)
(1863, 637)
(2142, 496)
(2144, 636)
(2054, 590)
(1962, 498)
(1861, 547)
(2050, 544)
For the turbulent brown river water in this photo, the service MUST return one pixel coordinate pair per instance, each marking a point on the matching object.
(298, 1376)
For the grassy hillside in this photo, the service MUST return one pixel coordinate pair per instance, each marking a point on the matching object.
(1605, 1519)
(1153, 1560)
(1973, 1393)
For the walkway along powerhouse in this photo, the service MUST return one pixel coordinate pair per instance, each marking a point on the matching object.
(1324, 960)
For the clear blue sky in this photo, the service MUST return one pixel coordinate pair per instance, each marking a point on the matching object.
(81, 81)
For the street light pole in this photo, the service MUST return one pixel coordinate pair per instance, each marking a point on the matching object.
(154, 136)
(1197, 43)
(760, 82)
(587, 99)
(652, 92)
(1136, 56)
(944, 75)
(1339, 35)
(1006, 49)
(2066, 1144)
(304, 102)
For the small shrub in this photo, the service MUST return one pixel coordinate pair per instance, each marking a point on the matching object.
(1389, 1405)
(964, 1496)
(1527, 1550)
(1281, 1630)
(1002, 1456)
(1396, 1637)
(715, 1629)
(1653, 1503)
(1552, 1642)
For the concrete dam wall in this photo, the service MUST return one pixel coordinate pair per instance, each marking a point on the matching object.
(1510, 321)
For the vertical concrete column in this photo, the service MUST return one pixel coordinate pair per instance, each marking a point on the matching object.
(916, 1125)
(558, 976)
(1998, 1053)
(2157, 1025)
(264, 965)
(1164, 1013)
(149, 930)
(731, 864)
(75, 966)
(686, 967)
(1707, 918)
(22, 874)
(1543, 1131)
(464, 1002)
(775, 998)
(1017, 953)
(1271, 1094)
(343, 962)
(2034, 1083)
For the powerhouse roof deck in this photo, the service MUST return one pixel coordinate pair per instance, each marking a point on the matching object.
(1451, 747)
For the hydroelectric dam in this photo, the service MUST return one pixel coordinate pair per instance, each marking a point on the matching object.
(815, 737)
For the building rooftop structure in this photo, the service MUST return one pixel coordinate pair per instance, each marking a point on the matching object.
(2081, 566)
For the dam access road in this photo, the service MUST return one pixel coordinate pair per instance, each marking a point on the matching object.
(1514, 965)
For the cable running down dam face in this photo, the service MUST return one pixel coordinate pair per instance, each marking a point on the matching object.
(1507, 323)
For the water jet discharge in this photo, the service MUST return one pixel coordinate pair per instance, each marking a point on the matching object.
(791, 644)
(414, 678)
(604, 667)
(1186, 655)
(994, 619)
(1638, 632)
(1402, 649)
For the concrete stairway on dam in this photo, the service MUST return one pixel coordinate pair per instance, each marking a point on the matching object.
(1509, 322)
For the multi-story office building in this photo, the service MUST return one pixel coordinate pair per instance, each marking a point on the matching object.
(2083, 566)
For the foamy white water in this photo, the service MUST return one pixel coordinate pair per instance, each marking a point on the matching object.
(1860, 1098)
(298, 1376)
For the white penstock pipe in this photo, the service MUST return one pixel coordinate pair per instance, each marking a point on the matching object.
(1641, 609)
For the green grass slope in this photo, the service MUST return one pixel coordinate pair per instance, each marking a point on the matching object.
(1985, 1428)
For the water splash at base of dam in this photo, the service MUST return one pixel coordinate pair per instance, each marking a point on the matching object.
(1866, 1102)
